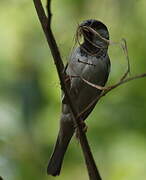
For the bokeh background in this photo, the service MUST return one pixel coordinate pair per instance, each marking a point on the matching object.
(30, 92)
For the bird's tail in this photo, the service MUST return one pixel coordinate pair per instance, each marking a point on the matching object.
(65, 134)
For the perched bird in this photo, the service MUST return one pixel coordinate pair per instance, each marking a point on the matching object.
(90, 61)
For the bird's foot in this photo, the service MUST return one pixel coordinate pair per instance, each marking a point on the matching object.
(84, 128)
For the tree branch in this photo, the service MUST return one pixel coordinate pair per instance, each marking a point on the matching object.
(46, 25)
(106, 90)
(109, 88)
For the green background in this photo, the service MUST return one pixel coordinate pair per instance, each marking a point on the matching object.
(30, 92)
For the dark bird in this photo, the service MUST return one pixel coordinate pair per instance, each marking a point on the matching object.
(90, 61)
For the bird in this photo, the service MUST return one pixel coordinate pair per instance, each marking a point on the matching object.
(90, 60)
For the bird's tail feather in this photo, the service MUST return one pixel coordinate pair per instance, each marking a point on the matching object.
(61, 145)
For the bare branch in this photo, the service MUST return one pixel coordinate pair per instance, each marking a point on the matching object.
(125, 49)
(46, 25)
(48, 7)
(41, 14)
(107, 89)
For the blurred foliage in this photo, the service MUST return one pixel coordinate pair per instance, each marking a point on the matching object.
(30, 92)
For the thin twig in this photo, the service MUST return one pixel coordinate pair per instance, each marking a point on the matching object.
(48, 7)
(46, 25)
(96, 33)
(125, 50)
(80, 32)
(107, 89)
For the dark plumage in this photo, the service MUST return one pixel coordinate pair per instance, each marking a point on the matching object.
(91, 61)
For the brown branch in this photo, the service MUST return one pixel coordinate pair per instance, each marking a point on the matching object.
(122, 82)
(106, 90)
(46, 25)
(125, 49)
(109, 88)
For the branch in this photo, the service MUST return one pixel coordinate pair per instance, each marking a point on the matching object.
(106, 90)
(46, 25)
(125, 50)
(109, 88)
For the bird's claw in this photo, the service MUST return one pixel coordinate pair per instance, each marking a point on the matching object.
(83, 126)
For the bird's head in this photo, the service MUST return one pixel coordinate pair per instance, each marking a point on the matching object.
(95, 33)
